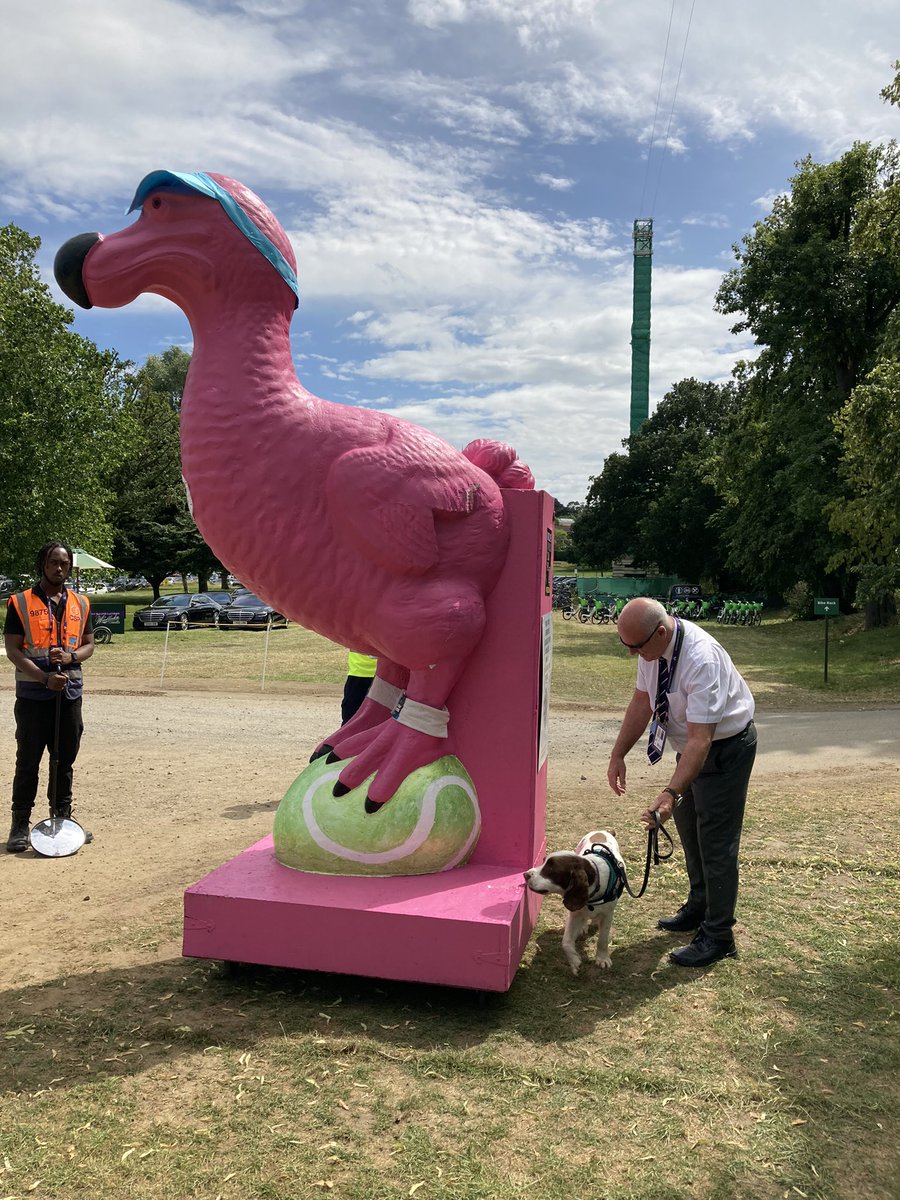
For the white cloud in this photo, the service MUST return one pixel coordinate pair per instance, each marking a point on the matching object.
(767, 202)
(707, 220)
(556, 183)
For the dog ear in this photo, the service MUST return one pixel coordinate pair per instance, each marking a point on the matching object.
(576, 894)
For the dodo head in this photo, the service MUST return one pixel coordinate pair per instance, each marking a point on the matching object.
(187, 230)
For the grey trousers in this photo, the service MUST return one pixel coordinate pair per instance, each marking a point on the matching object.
(709, 822)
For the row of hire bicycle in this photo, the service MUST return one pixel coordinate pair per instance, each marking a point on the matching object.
(598, 609)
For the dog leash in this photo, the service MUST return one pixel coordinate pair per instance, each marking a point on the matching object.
(652, 852)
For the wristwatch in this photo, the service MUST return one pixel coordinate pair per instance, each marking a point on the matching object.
(676, 796)
(72, 659)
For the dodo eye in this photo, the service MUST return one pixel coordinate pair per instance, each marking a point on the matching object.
(156, 202)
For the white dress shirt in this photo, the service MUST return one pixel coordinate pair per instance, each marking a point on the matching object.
(706, 690)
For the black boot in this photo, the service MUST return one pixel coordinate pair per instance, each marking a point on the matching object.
(686, 919)
(19, 833)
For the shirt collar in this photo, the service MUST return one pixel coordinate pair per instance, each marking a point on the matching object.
(670, 646)
(39, 591)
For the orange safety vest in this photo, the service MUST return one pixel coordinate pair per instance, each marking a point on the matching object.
(43, 631)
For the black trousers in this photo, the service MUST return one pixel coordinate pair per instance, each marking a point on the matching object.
(35, 721)
(356, 689)
(709, 822)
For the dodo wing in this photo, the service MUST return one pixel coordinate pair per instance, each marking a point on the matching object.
(383, 499)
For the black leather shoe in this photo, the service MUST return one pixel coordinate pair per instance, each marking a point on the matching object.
(19, 835)
(703, 952)
(684, 921)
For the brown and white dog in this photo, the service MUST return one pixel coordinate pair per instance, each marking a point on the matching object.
(583, 879)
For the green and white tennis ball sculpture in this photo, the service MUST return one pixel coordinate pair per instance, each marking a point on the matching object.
(430, 824)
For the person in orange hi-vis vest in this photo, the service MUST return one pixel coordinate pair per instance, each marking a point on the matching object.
(48, 634)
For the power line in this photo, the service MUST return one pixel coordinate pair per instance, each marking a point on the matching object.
(672, 110)
(656, 111)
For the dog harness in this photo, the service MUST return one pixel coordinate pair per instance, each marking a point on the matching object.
(615, 884)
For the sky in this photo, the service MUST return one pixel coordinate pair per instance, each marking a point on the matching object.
(459, 179)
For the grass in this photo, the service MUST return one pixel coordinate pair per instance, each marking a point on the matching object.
(774, 1076)
(783, 660)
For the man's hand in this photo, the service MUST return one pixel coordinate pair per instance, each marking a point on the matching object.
(56, 681)
(662, 807)
(58, 656)
(616, 774)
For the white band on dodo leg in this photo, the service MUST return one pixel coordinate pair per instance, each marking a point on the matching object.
(422, 717)
(384, 693)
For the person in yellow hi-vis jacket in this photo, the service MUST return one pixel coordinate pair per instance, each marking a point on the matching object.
(47, 636)
(360, 673)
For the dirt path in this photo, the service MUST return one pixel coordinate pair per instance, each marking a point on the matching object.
(173, 784)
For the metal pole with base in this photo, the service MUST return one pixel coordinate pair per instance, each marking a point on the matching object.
(59, 836)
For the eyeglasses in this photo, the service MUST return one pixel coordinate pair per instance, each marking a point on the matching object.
(640, 645)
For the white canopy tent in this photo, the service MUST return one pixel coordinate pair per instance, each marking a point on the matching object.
(82, 561)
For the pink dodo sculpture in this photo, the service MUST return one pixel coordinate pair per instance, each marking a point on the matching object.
(370, 530)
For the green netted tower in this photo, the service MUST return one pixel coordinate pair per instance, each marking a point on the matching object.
(640, 323)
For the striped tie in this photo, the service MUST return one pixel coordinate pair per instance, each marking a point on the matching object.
(662, 708)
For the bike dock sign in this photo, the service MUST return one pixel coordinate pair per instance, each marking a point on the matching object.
(825, 606)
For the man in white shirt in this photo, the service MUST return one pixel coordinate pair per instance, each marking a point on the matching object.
(690, 694)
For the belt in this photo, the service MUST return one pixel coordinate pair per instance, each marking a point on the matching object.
(732, 736)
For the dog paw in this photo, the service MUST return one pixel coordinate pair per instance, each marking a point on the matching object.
(574, 965)
(603, 961)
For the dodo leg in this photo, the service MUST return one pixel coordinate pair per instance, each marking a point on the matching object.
(362, 727)
(398, 749)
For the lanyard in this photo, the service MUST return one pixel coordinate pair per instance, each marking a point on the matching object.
(57, 614)
(676, 652)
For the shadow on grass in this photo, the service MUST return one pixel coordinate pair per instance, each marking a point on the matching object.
(117, 1022)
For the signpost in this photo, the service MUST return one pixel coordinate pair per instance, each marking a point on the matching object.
(825, 606)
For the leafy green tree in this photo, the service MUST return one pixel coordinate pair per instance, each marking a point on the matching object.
(891, 93)
(820, 304)
(155, 534)
(657, 503)
(869, 515)
(62, 428)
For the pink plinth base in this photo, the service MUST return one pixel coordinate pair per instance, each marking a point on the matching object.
(467, 927)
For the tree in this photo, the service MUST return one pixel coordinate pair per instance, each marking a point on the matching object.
(819, 304)
(657, 503)
(155, 534)
(870, 514)
(62, 428)
(891, 93)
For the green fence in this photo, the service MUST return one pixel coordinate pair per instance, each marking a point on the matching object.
(651, 585)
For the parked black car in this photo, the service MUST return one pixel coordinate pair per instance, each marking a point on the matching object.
(247, 611)
(222, 598)
(181, 610)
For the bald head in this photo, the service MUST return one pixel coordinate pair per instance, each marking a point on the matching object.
(641, 616)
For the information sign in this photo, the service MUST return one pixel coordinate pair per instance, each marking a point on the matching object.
(825, 606)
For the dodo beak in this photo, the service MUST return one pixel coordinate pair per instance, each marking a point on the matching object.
(68, 264)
